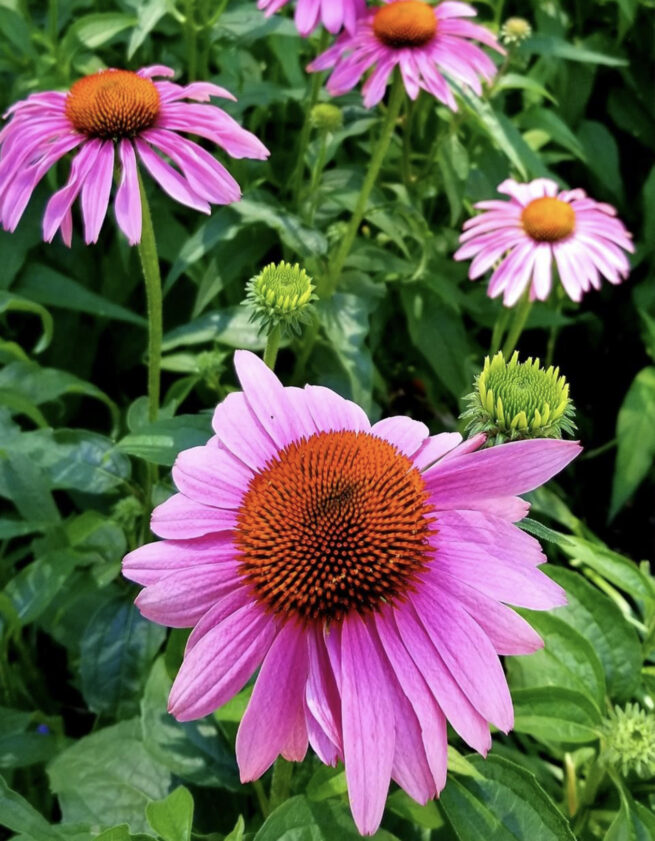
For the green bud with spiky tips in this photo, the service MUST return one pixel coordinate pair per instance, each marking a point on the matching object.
(280, 296)
(628, 741)
(518, 400)
(514, 31)
(326, 117)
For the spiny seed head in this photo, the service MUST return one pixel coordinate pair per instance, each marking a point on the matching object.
(515, 31)
(628, 741)
(326, 117)
(280, 296)
(516, 400)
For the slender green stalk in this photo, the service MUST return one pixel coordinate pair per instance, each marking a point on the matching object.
(407, 143)
(316, 176)
(150, 267)
(272, 346)
(53, 20)
(281, 782)
(500, 326)
(262, 800)
(521, 313)
(191, 35)
(337, 263)
(315, 89)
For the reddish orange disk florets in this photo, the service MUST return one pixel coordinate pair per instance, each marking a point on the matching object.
(112, 104)
(336, 523)
(548, 219)
(405, 23)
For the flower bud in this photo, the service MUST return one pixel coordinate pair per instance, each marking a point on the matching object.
(514, 31)
(280, 296)
(326, 117)
(628, 741)
(517, 400)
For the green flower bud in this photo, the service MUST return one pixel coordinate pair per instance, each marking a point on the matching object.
(515, 31)
(326, 117)
(516, 400)
(628, 741)
(280, 296)
(126, 512)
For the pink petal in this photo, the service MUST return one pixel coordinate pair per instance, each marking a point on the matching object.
(211, 476)
(127, 204)
(180, 518)
(150, 563)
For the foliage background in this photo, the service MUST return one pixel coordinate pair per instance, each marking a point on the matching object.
(85, 744)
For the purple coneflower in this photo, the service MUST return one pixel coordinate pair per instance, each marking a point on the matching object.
(424, 41)
(333, 14)
(541, 227)
(125, 114)
(365, 568)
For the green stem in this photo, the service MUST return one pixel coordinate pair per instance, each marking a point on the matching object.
(191, 35)
(521, 313)
(315, 89)
(150, 267)
(53, 20)
(316, 176)
(281, 782)
(261, 798)
(336, 265)
(500, 326)
(272, 346)
(594, 779)
(407, 143)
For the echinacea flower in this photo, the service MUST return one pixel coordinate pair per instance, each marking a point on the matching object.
(118, 115)
(538, 227)
(424, 41)
(333, 14)
(365, 568)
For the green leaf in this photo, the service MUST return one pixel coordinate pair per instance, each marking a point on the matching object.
(567, 659)
(161, 441)
(238, 832)
(108, 778)
(37, 584)
(555, 714)
(118, 647)
(327, 782)
(514, 81)
(300, 819)
(9, 302)
(505, 803)
(602, 155)
(261, 206)
(230, 326)
(596, 617)
(47, 286)
(616, 568)
(92, 31)
(635, 430)
(195, 751)
(551, 45)
(27, 487)
(19, 816)
(149, 13)
(172, 817)
(633, 822)
(21, 744)
(427, 816)
(440, 336)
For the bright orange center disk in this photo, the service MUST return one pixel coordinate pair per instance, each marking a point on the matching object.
(335, 523)
(405, 23)
(548, 219)
(112, 104)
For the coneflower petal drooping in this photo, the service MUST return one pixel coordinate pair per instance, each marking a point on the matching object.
(119, 117)
(364, 569)
(539, 229)
(335, 15)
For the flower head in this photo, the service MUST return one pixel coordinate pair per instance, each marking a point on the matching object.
(628, 741)
(326, 117)
(541, 225)
(281, 295)
(515, 31)
(424, 41)
(514, 400)
(118, 114)
(363, 567)
(333, 14)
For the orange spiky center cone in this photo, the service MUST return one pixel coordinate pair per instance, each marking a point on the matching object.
(405, 23)
(337, 522)
(112, 104)
(548, 219)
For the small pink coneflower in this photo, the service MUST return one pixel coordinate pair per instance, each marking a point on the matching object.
(538, 227)
(424, 41)
(335, 15)
(118, 113)
(365, 568)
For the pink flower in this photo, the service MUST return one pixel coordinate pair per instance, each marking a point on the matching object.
(540, 224)
(117, 112)
(364, 567)
(424, 41)
(333, 14)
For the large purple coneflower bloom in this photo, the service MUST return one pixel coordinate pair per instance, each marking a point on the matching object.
(118, 112)
(333, 14)
(365, 568)
(424, 41)
(539, 227)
